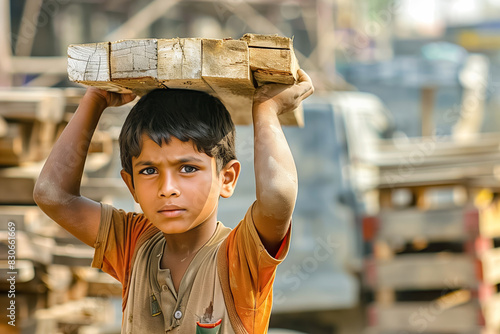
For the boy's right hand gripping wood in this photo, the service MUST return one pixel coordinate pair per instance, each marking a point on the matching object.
(272, 60)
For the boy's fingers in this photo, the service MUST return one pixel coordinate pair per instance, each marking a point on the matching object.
(305, 84)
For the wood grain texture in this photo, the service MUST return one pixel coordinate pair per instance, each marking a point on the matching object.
(490, 260)
(225, 68)
(268, 41)
(431, 225)
(134, 64)
(179, 64)
(424, 271)
(88, 64)
(490, 311)
(273, 65)
(426, 317)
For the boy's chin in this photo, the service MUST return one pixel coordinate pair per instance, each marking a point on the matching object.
(173, 228)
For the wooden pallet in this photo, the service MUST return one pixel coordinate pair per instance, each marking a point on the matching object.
(422, 272)
(455, 314)
(489, 223)
(491, 311)
(415, 252)
(451, 224)
(228, 69)
(32, 118)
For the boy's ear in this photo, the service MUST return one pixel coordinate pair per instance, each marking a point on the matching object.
(127, 178)
(229, 176)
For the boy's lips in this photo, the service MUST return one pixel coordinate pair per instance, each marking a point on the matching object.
(171, 211)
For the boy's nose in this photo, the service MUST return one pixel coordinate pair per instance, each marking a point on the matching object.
(168, 187)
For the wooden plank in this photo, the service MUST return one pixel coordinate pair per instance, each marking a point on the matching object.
(180, 63)
(26, 248)
(225, 68)
(424, 271)
(88, 64)
(103, 285)
(427, 113)
(73, 255)
(268, 41)
(24, 217)
(11, 146)
(490, 260)
(23, 104)
(272, 60)
(491, 311)
(431, 225)
(218, 67)
(441, 316)
(25, 308)
(489, 221)
(17, 190)
(134, 63)
(273, 65)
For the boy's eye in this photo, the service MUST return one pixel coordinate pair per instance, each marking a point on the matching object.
(148, 171)
(188, 169)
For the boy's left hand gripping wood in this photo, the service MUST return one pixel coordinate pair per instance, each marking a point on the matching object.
(227, 69)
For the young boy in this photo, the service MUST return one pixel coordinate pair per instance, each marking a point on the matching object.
(182, 271)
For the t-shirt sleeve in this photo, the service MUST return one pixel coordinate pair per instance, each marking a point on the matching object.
(251, 271)
(116, 240)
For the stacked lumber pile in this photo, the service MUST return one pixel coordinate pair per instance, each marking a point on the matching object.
(421, 271)
(228, 69)
(51, 266)
(488, 246)
(433, 270)
(431, 253)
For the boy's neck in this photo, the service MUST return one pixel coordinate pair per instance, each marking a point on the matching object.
(187, 244)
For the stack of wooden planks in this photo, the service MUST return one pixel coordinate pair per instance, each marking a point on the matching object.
(52, 266)
(433, 270)
(226, 68)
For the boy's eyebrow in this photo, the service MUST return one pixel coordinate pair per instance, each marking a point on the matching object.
(143, 163)
(189, 159)
(179, 161)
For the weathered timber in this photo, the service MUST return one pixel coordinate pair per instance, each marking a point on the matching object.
(268, 41)
(225, 69)
(490, 311)
(490, 261)
(272, 60)
(452, 316)
(423, 271)
(273, 66)
(11, 146)
(134, 64)
(180, 64)
(432, 225)
(88, 64)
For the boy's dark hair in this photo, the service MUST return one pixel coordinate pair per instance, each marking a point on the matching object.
(184, 114)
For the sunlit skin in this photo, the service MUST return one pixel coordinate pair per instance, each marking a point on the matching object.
(178, 189)
(57, 191)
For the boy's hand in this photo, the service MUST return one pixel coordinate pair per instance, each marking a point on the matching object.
(284, 98)
(108, 99)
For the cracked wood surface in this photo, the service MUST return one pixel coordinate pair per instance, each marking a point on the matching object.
(228, 69)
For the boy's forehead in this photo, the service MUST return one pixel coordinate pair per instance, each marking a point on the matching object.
(175, 148)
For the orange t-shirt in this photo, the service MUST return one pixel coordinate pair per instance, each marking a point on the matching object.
(129, 248)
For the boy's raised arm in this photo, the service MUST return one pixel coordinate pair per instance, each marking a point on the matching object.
(275, 173)
(57, 191)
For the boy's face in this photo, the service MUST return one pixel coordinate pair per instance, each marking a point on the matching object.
(178, 187)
